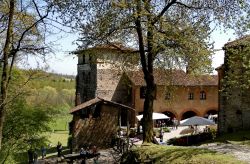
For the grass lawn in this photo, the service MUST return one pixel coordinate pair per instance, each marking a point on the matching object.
(61, 123)
(54, 137)
(174, 154)
(61, 136)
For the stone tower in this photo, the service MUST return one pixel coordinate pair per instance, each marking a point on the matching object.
(234, 86)
(86, 79)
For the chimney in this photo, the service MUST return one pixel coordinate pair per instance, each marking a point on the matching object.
(77, 99)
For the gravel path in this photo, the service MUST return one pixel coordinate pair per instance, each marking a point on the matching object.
(240, 152)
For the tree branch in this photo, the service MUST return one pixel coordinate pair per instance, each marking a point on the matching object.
(14, 51)
(190, 7)
(163, 11)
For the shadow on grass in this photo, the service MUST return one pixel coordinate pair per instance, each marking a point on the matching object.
(238, 136)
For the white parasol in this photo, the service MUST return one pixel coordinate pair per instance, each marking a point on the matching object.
(196, 120)
(156, 116)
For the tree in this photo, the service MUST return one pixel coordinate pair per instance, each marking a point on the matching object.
(23, 24)
(174, 31)
(24, 121)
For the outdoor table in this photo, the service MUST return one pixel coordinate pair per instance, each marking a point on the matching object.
(75, 156)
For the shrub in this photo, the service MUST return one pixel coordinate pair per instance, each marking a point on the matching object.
(132, 133)
(192, 139)
(165, 129)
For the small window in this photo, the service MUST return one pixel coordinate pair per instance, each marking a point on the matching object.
(202, 95)
(143, 92)
(167, 96)
(190, 96)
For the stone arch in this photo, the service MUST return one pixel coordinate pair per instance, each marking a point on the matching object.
(210, 111)
(188, 114)
(170, 114)
(194, 111)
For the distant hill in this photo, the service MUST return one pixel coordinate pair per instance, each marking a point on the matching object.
(58, 81)
(55, 90)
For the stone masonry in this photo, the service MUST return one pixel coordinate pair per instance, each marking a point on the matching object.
(234, 87)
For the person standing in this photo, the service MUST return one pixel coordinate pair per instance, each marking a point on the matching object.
(43, 150)
(175, 122)
(30, 155)
(83, 155)
(35, 157)
(161, 134)
(59, 149)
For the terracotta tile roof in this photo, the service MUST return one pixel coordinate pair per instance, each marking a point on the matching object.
(241, 41)
(86, 104)
(95, 101)
(114, 46)
(108, 47)
(174, 77)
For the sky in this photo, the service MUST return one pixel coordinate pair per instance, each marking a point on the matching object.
(63, 62)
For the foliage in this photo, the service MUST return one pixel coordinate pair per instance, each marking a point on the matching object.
(237, 66)
(23, 128)
(22, 30)
(173, 154)
(165, 129)
(28, 121)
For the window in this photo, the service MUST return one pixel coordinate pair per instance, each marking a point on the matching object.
(202, 95)
(190, 96)
(142, 92)
(167, 96)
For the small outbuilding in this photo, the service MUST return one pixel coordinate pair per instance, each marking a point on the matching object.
(96, 122)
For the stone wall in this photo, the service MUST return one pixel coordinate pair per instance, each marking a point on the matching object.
(234, 102)
(86, 80)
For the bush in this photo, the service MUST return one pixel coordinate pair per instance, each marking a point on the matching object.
(165, 129)
(192, 139)
(132, 133)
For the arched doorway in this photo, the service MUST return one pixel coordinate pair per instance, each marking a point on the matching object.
(212, 115)
(169, 122)
(188, 114)
(169, 114)
(211, 112)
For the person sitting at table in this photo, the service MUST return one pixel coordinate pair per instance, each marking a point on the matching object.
(83, 154)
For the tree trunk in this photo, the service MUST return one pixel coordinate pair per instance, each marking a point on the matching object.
(5, 75)
(147, 67)
(148, 132)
